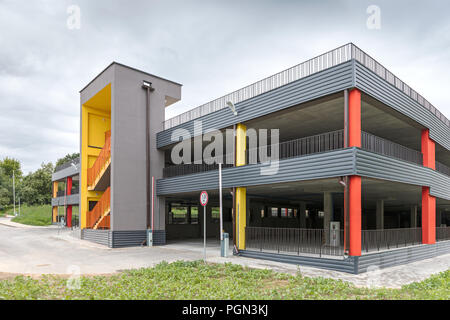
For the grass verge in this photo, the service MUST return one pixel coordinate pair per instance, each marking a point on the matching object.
(197, 280)
(33, 215)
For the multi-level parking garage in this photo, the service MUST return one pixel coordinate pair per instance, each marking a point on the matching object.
(362, 165)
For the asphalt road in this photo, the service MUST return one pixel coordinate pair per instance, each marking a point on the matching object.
(50, 250)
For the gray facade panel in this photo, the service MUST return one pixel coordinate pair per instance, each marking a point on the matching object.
(315, 86)
(67, 172)
(317, 166)
(128, 153)
(134, 238)
(98, 236)
(378, 88)
(373, 165)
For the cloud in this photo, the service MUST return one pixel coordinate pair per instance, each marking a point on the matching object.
(212, 47)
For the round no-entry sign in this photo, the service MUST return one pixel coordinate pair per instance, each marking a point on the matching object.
(204, 198)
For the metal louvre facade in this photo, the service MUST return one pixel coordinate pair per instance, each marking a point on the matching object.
(351, 161)
(315, 86)
(317, 166)
(375, 86)
(338, 78)
(377, 166)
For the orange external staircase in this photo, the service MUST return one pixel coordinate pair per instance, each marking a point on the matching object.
(99, 217)
(101, 164)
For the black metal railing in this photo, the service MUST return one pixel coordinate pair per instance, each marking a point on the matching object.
(377, 240)
(442, 233)
(294, 241)
(299, 147)
(184, 169)
(385, 147)
(62, 193)
(305, 146)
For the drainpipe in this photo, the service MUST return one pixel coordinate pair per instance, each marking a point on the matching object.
(148, 87)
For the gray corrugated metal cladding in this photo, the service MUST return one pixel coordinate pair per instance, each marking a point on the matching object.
(317, 166)
(318, 85)
(380, 89)
(373, 165)
(335, 79)
(330, 164)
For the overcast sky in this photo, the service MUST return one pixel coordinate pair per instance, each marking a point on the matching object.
(211, 47)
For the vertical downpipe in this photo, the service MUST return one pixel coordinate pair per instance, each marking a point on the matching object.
(148, 87)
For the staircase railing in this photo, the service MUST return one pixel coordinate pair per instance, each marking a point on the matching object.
(102, 207)
(101, 161)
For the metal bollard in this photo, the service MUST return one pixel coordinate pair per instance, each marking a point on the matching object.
(224, 245)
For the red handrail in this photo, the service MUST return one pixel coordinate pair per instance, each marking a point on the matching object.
(101, 208)
(103, 157)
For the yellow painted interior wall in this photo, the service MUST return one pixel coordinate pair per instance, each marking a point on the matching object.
(95, 121)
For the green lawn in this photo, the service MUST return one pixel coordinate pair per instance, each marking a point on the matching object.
(34, 215)
(196, 280)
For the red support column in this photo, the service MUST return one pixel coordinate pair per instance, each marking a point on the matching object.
(428, 201)
(354, 192)
(354, 118)
(69, 208)
(355, 215)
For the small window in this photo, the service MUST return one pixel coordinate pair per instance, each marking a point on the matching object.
(178, 214)
(194, 215)
(262, 213)
(274, 212)
(215, 213)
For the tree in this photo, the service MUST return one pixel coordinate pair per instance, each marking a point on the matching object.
(9, 165)
(67, 158)
(36, 187)
(5, 194)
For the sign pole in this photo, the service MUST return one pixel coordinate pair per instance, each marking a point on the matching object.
(204, 201)
(221, 210)
(204, 233)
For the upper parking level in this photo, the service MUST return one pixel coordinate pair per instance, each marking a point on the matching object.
(67, 169)
(343, 68)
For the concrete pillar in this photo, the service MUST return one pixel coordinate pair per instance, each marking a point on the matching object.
(380, 214)
(413, 223)
(327, 214)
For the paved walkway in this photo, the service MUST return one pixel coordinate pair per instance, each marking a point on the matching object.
(50, 250)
